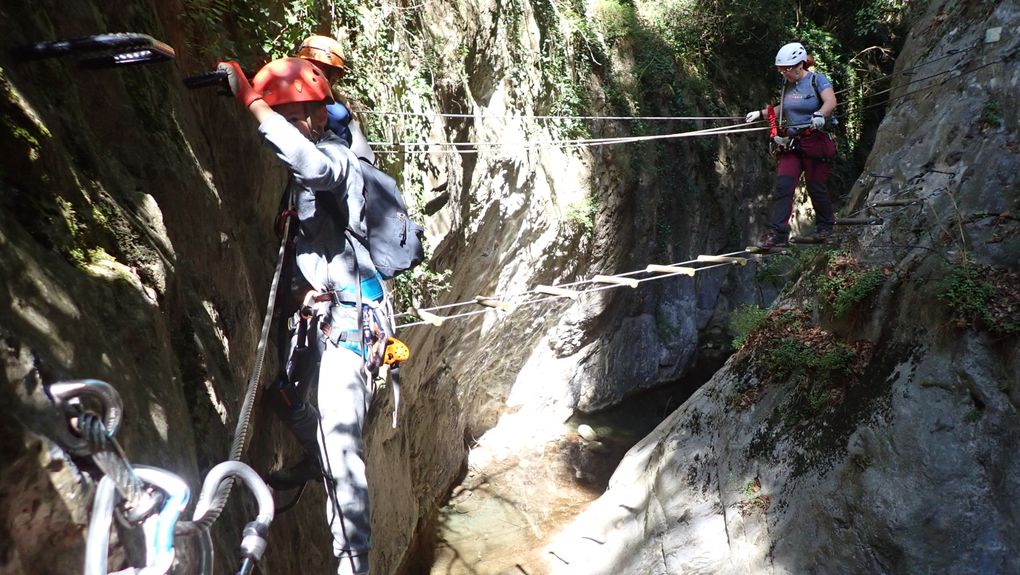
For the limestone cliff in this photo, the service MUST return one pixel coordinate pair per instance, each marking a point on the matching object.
(137, 247)
(901, 463)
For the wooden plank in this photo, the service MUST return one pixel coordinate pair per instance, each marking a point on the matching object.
(723, 260)
(895, 203)
(660, 269)
(493, 303)
(858, 221)
(630, 282)
(557, 291)
(428, 317)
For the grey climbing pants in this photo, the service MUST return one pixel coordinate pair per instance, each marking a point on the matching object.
(344, 394)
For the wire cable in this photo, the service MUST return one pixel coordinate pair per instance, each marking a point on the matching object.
(514, 303)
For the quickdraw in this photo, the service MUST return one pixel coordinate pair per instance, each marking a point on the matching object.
(773, 128)
(777, 143)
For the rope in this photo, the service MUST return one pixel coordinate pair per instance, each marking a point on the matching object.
(933, 86)
(579, 143)
(247, 405)
(541, 117)
(609, 141)
(908, 71)
(538, 297)
(407, 147)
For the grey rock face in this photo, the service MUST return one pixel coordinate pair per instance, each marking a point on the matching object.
(906, 472)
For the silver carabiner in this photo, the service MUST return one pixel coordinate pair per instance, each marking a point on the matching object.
(253, 543)
(69, 397)
(158, 528)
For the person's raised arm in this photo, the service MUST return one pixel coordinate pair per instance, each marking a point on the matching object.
(243, 91)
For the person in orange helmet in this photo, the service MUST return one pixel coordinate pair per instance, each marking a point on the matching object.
(327, 54)
(341, 314)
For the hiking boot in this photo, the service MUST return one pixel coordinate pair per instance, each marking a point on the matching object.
(824, 234)
(296, 475)
(771, 239)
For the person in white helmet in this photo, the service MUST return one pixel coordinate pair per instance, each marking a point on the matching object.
(808, 102)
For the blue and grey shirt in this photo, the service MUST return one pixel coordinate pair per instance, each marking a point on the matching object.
(800, 100)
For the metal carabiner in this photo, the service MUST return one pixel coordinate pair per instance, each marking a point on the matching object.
(97, 541)
(69, 396)
(158, 528)
(253, 543)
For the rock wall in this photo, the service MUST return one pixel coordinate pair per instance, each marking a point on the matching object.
(129, 255)
(136, 244)
(902, 463)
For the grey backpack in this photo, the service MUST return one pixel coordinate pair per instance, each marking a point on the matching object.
(393, 239)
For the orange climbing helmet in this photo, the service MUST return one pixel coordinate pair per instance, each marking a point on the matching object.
(289, 80)
(324, 50)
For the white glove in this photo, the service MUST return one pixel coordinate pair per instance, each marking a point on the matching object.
(817, 121)
(752, 116)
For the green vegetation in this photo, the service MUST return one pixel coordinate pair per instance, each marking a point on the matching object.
(982, 297)
(779, 269)
(991, 116)
(419, 287)
(582, 215)
(801, 362)
(973, 416)
(744, 320)
(846, 283)
(754, 501)
(875, 13)
(810, 362)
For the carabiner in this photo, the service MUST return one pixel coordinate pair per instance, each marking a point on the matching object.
(69, 396)
(158, 528)
(253, 542)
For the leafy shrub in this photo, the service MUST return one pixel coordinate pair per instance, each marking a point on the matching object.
(795, 360)
(744, 320)
(420, 287)
(982, 296)
(846, 283)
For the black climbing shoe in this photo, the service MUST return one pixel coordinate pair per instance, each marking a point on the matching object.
(296, 475)
(824, 234)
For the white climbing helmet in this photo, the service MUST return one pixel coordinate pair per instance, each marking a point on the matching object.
(791, 54)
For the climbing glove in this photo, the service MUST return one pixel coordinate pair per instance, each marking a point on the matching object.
(752, 116)
(239, 84)
(817, 121)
